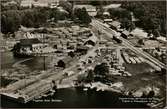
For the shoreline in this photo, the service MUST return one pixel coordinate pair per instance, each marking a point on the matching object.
(19, 62)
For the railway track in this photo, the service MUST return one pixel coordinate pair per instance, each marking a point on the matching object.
(156, 62)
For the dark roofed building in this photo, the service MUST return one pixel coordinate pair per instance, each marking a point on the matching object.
(29, 42)
(115, 25)
(82, 49)
(91, 41)
(61, 63)
(125, 34)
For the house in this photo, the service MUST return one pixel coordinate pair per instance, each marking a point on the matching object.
(139, 33)
(31, 45)
(82, 49)
(39, 3)
(125, 34)
(108, 20)
(84, 31)
(112, 6)
(91, 41)
(27, 3)
(75, 28)
(10, 3)
(54, 4)
(162, 39)
(115, 25)
(71, 45)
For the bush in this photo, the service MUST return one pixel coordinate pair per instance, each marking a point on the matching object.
(82, 15)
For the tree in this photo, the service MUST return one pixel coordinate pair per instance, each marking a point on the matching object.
(95, 3)
(71, 54)
(100, 11)
(127, 24)
(10, 21)
(156, 33)
(151, 94)
(90, 76)
(28, 19)
(34, 18)
(57, 14)
(101, 69)
(152, 15)
(82, 15)
(141, 41)
(61, 63)
(120, 13)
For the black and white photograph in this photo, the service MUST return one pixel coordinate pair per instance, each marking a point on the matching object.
(83, 54)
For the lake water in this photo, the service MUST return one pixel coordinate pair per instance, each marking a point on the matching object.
(37, 63)
(73, 98)
(69, 97)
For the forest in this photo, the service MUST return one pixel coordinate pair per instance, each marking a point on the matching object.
(151, 15)
(13, 17)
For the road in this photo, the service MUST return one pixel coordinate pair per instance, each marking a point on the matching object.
(99, 25)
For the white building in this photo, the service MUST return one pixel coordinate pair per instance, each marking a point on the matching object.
(39, 3)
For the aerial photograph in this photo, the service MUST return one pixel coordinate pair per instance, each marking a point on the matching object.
(83, 54)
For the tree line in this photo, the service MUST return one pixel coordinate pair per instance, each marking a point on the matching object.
(36, 17)
(124, 16)
(82, 15)
(13, 16)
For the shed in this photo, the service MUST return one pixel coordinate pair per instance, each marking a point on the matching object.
(115, 25)
(107, 20)
(125, 34)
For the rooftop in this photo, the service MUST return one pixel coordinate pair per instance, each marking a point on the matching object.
(126, 32)
(29, 41)
(92, 38)
(88, 7)
(112, 6)
(115, 23)
(108, 20)
(139, 32)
